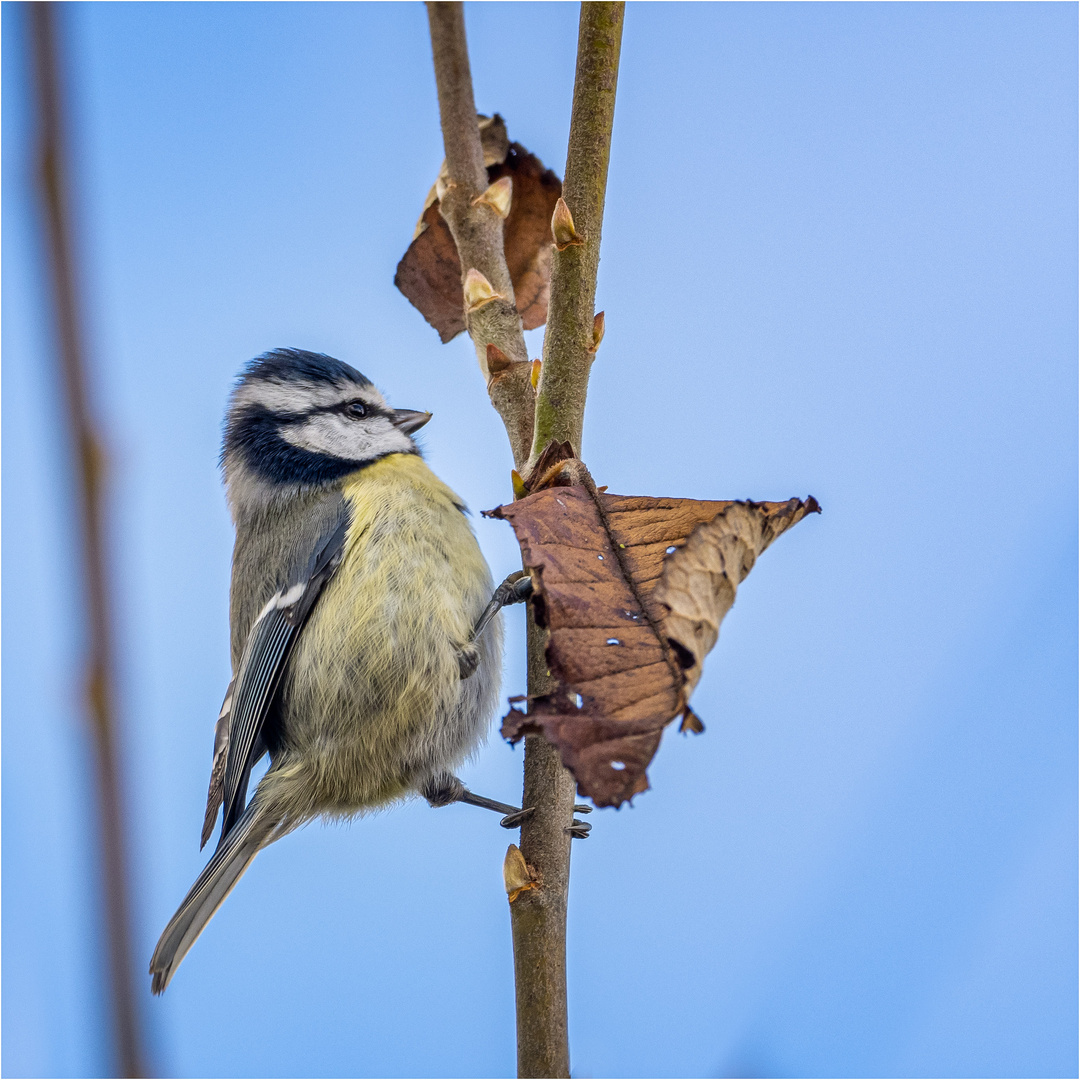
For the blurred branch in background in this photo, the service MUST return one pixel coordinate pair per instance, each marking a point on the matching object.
(52, 183)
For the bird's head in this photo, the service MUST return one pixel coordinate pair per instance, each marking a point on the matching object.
(299, 418)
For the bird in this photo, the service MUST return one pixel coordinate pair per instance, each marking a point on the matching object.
(365, 644)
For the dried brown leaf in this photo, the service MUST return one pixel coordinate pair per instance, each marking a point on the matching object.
(632, 592)
(429, 274)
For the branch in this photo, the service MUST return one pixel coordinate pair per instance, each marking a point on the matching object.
(539, 876)
(477, 229)
(564, 377)
(538, 915)
(89, 462)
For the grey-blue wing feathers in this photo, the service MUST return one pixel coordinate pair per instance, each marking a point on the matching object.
(238, 741)
(233, 856)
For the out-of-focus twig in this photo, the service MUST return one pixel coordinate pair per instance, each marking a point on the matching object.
(89, 465)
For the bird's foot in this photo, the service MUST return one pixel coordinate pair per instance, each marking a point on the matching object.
(468, 659)
(516, 589)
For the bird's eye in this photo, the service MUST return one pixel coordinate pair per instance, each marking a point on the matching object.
(356, 409)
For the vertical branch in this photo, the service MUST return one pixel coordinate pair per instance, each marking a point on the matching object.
(492, 317)
(537, 913)
(564, 377)
(538, 920)
(89, 461)
(538, 916)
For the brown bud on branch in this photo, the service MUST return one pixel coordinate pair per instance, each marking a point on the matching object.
(597, 332)
(562, 227)
(517, 874)
(478, 291)
(497, 360)
(498, 197)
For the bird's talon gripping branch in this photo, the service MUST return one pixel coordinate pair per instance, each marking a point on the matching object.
(512, 821)
(579, 830)
(516, 589)
(582, 808)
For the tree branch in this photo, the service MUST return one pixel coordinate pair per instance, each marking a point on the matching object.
(538, 911)
(564, 377)
(478, 230)
(89, 462)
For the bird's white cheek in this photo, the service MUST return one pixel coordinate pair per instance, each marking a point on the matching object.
(340, 437)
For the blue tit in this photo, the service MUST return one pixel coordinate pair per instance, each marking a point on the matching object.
(365, 652)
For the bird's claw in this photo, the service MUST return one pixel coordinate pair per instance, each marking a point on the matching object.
(468, 659)
(512, 821)
(579, 830)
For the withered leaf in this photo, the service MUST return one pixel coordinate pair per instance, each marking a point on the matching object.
(429, 274)
(632, 592)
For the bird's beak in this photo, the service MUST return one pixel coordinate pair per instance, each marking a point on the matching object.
(409, 421)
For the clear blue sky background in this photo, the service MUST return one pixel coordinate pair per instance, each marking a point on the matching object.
(839, 259)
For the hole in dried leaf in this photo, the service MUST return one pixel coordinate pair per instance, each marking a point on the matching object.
(670, 550)
(682, 653)
(578, 700)
(600, 557)
(618, 766)
(613, 641)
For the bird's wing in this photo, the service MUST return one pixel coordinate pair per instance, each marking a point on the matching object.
(262, 665)
(217, 773)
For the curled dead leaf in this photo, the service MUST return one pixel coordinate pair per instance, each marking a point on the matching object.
(632, 592)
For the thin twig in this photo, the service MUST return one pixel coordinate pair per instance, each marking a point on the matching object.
(478, 230)
(538, 913)
(564, 377)
(89, 461)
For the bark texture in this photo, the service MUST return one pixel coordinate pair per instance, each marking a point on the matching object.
(564, 377)
(477, 229)
(537, 912)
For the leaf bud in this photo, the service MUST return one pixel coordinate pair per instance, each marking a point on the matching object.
(497, 360)
(478, 291)
(497, 196)
(517, 875)
(562, 227)
(597, 332)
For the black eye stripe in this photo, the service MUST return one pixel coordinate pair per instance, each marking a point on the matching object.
(370, 409)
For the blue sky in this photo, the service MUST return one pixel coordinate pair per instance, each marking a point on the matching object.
(839, 259)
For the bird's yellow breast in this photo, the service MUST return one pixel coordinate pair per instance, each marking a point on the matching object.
(376, 669)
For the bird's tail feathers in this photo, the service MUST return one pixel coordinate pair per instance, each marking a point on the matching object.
(252, 831)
